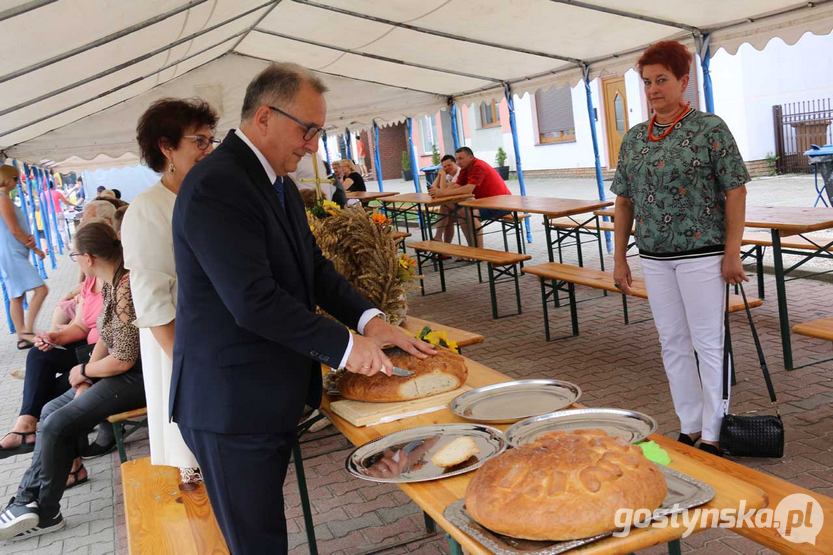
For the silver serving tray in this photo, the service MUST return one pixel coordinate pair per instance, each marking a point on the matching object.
(507, 402)
(684, 492)
(409, 452)
(629, 425)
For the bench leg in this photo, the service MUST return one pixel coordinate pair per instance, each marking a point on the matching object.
(420, 260)
(578, 247)
(601, 253)
(625, 308)
(674, 548)
(117, 433)
(759, 269)
(305, 504)
(442, 273)
(571, 289)
(454, 547)
(544, 303)
(516, 276)
(492, 290)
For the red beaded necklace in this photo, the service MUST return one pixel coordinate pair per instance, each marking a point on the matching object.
(654, 138)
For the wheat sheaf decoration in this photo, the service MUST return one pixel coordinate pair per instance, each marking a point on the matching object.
(362, 249)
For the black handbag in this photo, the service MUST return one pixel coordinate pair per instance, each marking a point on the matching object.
(749, 434)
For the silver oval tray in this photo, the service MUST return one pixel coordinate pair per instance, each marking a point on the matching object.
(629, 425)
(507, 402)
(405, 456)
(684, 492)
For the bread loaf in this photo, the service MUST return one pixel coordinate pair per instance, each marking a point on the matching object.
(457, 451)
(434, 375)
(563, 486)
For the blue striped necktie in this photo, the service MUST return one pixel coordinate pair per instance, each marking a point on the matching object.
(278, 184)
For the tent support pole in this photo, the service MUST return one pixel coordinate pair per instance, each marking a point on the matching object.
(507, 92)
(409, 124)
(455, 132)
(704, 49)
(377, 159)
(591, 116)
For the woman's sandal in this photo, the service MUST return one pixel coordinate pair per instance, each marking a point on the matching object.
(23, 447)
(73, 479)
(23, 344)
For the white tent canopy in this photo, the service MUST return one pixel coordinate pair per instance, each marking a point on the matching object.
(76, 75)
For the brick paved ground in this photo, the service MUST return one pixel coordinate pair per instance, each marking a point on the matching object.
(616, 365)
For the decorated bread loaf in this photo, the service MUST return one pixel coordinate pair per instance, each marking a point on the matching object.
(433, 375)
(563, 486)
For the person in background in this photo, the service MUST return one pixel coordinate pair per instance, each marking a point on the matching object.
(107, 194)
(99, 209)
(16, 271)
(110, 383)
(352, 180)
(445, 183)
(173, 135)
(59, 201)
(681, 178)
(361, 154)
(100, 189)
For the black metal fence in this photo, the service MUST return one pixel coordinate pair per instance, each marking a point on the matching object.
(797, 126)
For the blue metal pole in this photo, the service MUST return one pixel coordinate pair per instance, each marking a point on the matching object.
(377, 159)
(326, 150)
(455, 133)
(507, 92)
(7, 307)
(36, 259)
(705, 60)
(409, 123)
(348, 143)
(592, 118)
(48, 184)
(41, 187)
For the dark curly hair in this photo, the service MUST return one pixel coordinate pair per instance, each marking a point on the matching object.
(668, 53)
(166, 120)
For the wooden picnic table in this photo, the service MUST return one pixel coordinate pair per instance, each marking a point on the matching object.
(433, 497)
(463, 338)
(551, 208)
(367, 196)
(785, 221)
(421, 204)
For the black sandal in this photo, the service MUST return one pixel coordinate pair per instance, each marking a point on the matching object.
(75, 480)
(24, 447)
(687, 439)
(23, 344)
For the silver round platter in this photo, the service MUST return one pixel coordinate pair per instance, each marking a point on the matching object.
(629, 425)
(405, 456)
(507, 402)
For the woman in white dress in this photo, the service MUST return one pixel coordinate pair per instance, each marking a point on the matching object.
(173, 135)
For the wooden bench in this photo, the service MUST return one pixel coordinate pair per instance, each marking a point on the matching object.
(124, 424)
(757, 241)
(399, 238)
(820, 329)
(555, 277)
(499, 263)
(414, 325)
(161, 518)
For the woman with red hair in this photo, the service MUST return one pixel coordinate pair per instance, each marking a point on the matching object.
(681, 179)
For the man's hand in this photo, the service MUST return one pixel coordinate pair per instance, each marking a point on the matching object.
(367, 358)
(434, 192)
(732, 270)
(45, 340)
(386, 335)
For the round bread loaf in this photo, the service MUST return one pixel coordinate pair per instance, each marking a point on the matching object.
(436, 374)
(563, 486)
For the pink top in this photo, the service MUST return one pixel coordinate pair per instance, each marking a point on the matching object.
(93, 304)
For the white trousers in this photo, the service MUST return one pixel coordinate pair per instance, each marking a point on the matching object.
(687, 299)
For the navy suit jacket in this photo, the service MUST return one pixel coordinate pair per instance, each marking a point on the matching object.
(248, 344)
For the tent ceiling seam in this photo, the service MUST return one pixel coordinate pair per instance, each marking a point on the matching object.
(442, 34)
(120, 87)
(341, 75)
(629, 15)
(255, 24)
(129, 63)
(101, 41)
(23, 8)
(799, 7)
(376, 56)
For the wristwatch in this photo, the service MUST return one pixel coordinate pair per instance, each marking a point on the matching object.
(84, 369)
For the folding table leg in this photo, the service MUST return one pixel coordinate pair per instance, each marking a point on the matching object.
(546, 310)
(305, 504)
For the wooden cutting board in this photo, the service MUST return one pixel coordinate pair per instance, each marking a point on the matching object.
(361, 413)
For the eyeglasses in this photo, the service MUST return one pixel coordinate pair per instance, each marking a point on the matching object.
(202, 141)
(311, 131)
(74, 256)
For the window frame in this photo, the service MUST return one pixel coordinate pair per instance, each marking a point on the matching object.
(543, 141)
(495, 114)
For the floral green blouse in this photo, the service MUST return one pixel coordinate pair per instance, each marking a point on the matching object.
(678, 184)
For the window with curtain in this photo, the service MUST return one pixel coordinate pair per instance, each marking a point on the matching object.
(554, 109)
(489, 115)
(427, 133)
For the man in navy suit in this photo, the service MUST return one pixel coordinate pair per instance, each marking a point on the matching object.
(249, 344)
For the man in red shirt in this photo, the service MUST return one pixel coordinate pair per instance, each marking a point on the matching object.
(480, 179)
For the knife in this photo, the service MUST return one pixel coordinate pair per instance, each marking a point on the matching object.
(401, 372)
